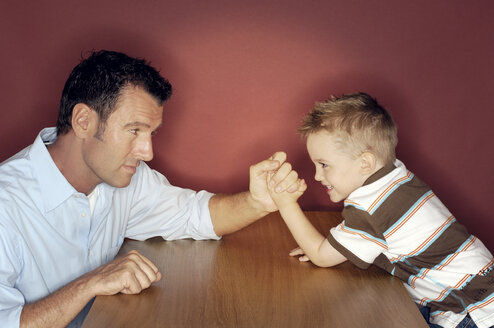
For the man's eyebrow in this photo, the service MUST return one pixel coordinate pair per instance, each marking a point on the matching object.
(137, 124)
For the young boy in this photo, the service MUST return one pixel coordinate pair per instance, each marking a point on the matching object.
(391, 218)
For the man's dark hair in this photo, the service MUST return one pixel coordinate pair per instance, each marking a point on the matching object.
(99, 80)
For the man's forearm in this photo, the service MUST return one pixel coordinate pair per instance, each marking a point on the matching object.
(57, 309)
(230, 213)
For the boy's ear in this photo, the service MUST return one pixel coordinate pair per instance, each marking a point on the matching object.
(368, 163)
(84, 121)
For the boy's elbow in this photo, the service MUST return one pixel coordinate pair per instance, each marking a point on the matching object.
(326, 256)
(324, 262)
(327, 261)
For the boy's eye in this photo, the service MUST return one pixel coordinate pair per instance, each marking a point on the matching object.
(323, 165)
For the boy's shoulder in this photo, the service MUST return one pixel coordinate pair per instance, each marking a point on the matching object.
(390, 184)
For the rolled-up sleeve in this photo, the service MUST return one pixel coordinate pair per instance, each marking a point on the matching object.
(160, 209)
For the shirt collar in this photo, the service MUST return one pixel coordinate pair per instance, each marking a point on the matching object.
(380, 173)
(55, 189)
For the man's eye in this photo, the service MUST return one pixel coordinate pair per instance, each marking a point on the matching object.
(134, 131)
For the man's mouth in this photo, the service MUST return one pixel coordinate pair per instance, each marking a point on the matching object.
(130, 168)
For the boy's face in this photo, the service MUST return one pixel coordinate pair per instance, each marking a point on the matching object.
(335, 169)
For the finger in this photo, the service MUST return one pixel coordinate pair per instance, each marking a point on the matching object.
(279, 156)
(280, 174)
(299, 186)
(261, 168)
(143, 280)
(147, 273)
(304, 258)
(270, 187)
(290, 179)
(297, 251)
(145, 260)
(132, 284)
(143, 269)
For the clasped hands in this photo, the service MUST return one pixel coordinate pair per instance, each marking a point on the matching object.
(275, 184)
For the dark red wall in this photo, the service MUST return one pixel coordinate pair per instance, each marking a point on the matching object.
(245, 72)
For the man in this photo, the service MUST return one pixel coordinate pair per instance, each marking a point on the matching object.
(68, 201)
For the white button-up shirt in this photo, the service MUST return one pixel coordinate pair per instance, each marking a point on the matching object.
(48, 236)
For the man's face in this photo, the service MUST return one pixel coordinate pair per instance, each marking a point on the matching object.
(335, 169)
(113, 156)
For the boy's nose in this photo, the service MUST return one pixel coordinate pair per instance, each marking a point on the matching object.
(317, 175)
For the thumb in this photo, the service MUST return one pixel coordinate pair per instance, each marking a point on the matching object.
(271, 164)
(279, 156)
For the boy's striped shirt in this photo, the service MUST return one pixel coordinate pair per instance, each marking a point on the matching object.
(397, 223)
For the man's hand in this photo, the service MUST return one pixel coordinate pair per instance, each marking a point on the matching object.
(281, 177)
(128, 275)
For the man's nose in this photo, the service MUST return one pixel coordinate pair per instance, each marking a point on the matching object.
(144, 149)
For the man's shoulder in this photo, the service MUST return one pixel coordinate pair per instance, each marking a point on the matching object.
(15, 174)
(15, 165)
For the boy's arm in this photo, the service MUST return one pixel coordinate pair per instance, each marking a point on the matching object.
(315, 246)
(312, 243)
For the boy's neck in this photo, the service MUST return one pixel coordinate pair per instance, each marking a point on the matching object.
(379, 172)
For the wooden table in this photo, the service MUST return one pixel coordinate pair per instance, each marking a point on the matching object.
(248, 280)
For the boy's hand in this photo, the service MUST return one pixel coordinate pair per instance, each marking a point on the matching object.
(284, 198)
(299, 251)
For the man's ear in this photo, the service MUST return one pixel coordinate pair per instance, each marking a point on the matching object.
(368, 163)
(84, 121)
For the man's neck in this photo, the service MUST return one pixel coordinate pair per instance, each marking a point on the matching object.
(67, 155)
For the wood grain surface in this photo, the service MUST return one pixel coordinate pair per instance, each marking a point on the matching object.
(247, 279)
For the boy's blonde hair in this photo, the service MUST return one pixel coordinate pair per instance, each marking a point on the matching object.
(358, 122)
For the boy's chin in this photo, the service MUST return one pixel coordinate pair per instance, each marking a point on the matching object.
(336, 199)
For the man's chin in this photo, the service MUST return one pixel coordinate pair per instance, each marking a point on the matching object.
(119, 184)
